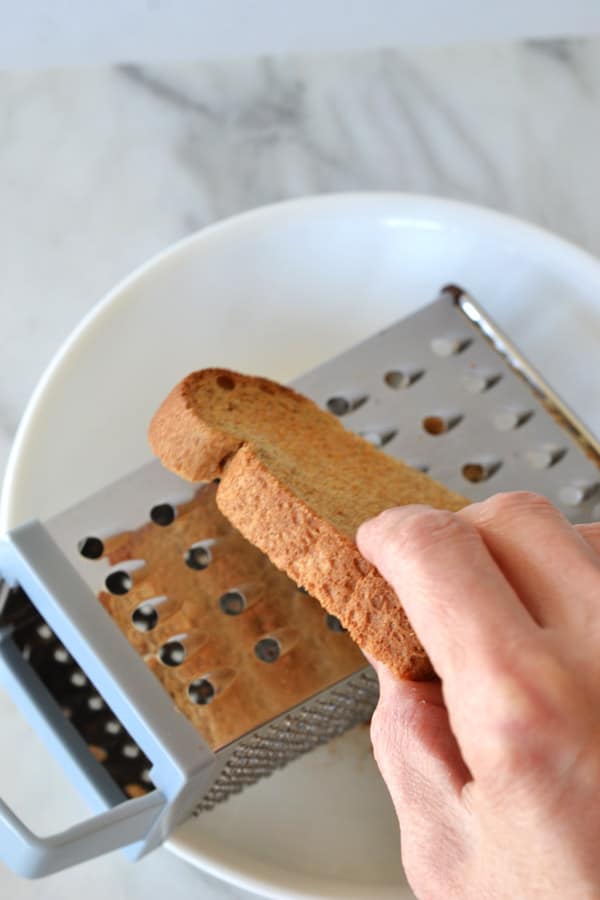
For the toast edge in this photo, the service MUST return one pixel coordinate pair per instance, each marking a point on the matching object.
(317, 557)
(186, 444)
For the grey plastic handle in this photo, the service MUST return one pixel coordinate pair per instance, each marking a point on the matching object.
(182, 765)
(123, 824)
(33, 856)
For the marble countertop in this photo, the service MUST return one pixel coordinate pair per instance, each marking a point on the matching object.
(102, 167)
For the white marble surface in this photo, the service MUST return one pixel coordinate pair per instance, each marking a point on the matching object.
(100, 168)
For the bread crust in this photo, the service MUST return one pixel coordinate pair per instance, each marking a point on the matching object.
(321, 560)
(185, 443)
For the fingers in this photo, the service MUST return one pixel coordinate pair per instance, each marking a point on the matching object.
(413, 742)
(414, 747)
(467, 616)
(416, 751)
(467, 585)
(462, 608)
(425, 775)
(539, 552)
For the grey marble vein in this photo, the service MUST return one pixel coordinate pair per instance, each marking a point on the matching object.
(571, 57)
(101, 168)
(161, 89)
(421, 99)
(562, 50)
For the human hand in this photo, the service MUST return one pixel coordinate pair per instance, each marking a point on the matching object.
(495, 772)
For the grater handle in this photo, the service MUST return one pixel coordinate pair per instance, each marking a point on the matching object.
(32, 856)
(124, 823)
(183, 766)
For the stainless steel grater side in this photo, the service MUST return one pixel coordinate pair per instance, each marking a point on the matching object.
(100, 648)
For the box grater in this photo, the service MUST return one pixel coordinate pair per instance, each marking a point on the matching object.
(168, 664)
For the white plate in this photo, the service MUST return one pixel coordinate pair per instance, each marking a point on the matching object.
(273, 292)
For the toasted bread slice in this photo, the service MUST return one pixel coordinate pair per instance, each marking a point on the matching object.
(297, 485)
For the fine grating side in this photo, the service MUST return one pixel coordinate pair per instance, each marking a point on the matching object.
(432, 390)
(293, 734)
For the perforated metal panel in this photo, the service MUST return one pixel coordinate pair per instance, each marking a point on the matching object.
(443, 390)
(434, 391)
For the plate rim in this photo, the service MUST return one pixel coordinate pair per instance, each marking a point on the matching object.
(407, 206)
(259, 215)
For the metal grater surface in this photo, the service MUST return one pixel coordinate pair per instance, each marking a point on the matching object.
(443, 390)
(434, 391)
(314, 723)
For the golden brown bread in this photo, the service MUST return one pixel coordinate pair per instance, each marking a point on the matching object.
(220, 648)
(297, 485)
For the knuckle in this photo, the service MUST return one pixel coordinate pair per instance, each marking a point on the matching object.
(515, 503)
(426, 529)
(416, 721)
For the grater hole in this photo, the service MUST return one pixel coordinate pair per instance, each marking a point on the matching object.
(95, 703)
(118, 582)
(201, 691)
(172, 653)
(130, 751)
(44, 632)
(198, 557)
(477, 382)
(473, 472)
(440, 423)
(144, 618)
(341, 406)
(450, 344)
(145, 776)
(232, 603)
(99, 753)
(509, 419)
(418, 465)
(333, 623)
(226, 382)
(379, 438)
(577, 492)
(78, 679)
(398, 379)
(479, 471)
(112, 727)
(544, 457)
(91, 547)
(61, 656)
(268, 649)
(162, 514)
